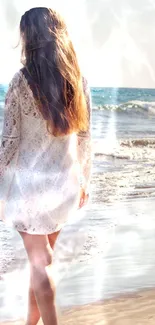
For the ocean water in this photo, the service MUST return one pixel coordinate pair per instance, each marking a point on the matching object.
(127, 112)
(123, 121)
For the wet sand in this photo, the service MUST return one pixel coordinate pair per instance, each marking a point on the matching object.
(137, 309)
(102, 270)
(124, 171)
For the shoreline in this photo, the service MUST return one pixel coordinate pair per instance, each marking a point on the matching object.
(135, 307)
(127, 264)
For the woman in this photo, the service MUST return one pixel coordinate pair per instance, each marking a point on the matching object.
(45, 156)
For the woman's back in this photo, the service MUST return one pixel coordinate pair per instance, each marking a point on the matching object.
(35, 140)
(45, 154)
(45, 184)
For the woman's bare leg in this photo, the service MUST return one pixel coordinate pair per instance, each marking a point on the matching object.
(52, 239)
(33, 311)
(33, 315)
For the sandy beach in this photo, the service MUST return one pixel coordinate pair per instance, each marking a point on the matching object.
(111, 279)
(137, 308)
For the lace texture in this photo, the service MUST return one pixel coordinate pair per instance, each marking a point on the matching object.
(40, 175)
(10, 135)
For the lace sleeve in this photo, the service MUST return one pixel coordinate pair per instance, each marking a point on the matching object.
(10, 134)
(85, 145)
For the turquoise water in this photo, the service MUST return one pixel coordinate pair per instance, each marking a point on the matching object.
(128, 112)
(117, 96)
(109, 96)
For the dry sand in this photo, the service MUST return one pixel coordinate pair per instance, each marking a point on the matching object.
(137, 309)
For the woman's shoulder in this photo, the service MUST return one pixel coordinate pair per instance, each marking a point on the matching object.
(16, 79)
(84, 80)
(86, 86)
(19, 82)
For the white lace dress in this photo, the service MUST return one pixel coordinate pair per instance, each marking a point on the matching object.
(40, 175)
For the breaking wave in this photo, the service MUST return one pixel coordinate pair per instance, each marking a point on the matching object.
(131, 106)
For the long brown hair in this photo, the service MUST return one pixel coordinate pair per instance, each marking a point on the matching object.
(52, 64)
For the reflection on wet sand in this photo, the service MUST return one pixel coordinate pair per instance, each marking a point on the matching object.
(111, 279)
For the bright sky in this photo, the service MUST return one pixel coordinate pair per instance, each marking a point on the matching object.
(114, 39)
